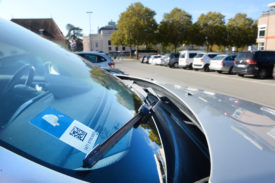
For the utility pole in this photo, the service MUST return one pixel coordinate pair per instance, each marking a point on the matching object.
(90, 39)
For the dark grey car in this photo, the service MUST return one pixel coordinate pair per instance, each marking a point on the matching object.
(173, 60)
(257, 63)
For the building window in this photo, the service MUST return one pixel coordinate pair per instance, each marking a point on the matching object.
(109, 42)
(110, 48)
(116, 48)
(260, 46)
(261, 32)
(123, 48)
(96, 44)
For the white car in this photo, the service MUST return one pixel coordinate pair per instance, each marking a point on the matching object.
(186, 58)
(222, 63)
(97, 58)
(155, 59)
(202, 61)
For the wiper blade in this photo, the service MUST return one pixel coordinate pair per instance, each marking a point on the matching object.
(98, 152)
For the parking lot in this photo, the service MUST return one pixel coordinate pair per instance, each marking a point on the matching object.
(248, 88)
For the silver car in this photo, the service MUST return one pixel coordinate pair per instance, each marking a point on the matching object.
(222, 63)
(99, 59)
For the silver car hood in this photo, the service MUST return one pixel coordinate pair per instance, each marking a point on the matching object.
(240, 134)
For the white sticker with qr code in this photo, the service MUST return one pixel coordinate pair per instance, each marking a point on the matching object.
(80, 137)
(66, 129)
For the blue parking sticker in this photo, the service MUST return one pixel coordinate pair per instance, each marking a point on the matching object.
(66, 129)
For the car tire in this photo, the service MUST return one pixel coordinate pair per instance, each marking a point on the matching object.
(175, 65)
(219, 72)
(206, 68)
(262, 73)
(230, 70)
(241, 75)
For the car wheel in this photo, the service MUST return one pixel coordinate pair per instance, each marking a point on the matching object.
(219, 72)
(176, 65)
(262, 73)
(206, 68)
(241, 75)
(230, 70)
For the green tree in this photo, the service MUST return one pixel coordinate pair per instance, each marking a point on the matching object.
(242, 31)
(175, 28)
(74, 34)
(117, 38)
(212, 28)
(136, 26)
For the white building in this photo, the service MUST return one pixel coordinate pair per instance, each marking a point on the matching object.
(102, 41)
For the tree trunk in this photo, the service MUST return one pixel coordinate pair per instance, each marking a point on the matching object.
(136, 52)
(130, 51)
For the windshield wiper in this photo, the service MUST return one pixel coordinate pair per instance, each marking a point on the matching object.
(98, 152)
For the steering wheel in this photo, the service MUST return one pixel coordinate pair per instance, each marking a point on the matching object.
(16, 78)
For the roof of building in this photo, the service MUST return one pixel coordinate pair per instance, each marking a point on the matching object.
(42, 26)
(111, 26)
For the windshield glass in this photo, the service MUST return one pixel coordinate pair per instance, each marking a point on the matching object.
(68, 105)
(200, 55)
(219, 57)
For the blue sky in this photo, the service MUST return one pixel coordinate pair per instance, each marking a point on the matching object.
(74, 11)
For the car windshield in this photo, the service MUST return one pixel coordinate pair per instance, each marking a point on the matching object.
(200, 55)
(219, 57)
(51, 99)
(245, 55)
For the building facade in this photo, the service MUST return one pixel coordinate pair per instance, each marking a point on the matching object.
(102, 41)
(266, 29)
(45, 27)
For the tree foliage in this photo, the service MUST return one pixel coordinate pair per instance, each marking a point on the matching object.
(74, 34)
(175, 28)
(117, 38)
(242, 31)
(136, 26)
(212, 28)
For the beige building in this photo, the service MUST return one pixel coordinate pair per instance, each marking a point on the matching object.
(102, 41)
(266, 29)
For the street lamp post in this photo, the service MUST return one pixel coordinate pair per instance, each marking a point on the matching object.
(90, 40)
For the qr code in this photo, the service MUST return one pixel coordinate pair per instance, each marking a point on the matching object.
(78, 133)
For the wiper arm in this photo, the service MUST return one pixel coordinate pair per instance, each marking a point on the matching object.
(98, 152)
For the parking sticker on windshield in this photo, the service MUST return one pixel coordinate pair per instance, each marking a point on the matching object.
(66, 129)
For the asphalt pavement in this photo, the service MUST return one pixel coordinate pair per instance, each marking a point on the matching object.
(248, 88)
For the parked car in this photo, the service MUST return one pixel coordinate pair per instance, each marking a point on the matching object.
(146, 59)
(173, 60)
(63, 119)
(202, 61)
(97, 58)
(166, 59)
(222, 63)
(142, 59)
(157, 60)
(153, 58)
(186, 58)
(257, 63)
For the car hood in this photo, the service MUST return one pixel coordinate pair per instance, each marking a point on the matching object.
(240, 134)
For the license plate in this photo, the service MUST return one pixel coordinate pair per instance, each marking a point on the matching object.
(241, 66)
